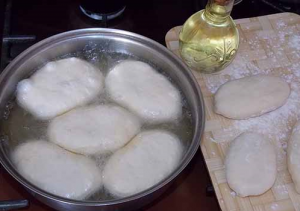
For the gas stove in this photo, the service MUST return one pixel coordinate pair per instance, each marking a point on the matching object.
(27, 22)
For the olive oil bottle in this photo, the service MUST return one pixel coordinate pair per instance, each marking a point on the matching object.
(209, 39)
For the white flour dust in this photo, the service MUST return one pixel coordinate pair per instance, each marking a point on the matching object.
(294, 42)
(276, 124)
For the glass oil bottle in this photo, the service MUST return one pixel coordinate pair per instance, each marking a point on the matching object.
(209, 39)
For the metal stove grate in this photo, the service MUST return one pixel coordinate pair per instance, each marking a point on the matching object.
(8, 39)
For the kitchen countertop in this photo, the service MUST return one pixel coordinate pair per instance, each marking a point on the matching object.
(153, 19)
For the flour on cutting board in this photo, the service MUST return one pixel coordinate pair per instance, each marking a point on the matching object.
(276, 124)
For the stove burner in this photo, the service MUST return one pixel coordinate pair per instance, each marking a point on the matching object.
(104, 17)
(102, 10)
(237, 2)
(120, 19)
(283, 5)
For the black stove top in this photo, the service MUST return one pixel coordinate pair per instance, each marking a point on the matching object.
(29, 21)
(25, 22)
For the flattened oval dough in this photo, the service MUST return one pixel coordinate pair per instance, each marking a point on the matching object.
(251, 96)
(94, 129)
(149, 158)
(250, 165)
(138, 87)
(293, 156)
(56, 170)
(58, 87)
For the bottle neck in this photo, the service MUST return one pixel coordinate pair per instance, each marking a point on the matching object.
(218, 11)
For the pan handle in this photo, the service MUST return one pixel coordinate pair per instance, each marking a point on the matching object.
(13, 204)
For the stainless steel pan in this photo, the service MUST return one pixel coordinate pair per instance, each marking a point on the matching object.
(107, 40)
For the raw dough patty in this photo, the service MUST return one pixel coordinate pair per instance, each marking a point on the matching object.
(250, 165)
(149, 158)
(56, 170)
(58, 87)
(251, 96)
(94, 129)
(293, 156)
(138, 87)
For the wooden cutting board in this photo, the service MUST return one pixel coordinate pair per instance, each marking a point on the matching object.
(269, 45)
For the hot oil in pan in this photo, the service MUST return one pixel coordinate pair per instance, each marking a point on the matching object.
(19, 126)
